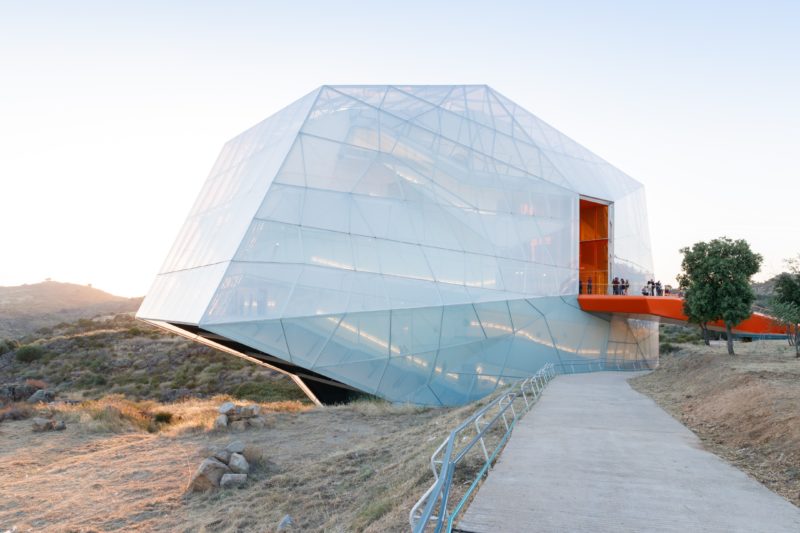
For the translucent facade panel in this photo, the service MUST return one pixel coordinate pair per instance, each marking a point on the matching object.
(307, 336)
(405, 260)
(266, 336)
(494, 318)
(271, 242)
(327, 210)
(182, 296)
(235, 189)
(424, 243)
(403, 293)
(319, 291)
(632, 255)
(250, 291)
(367, 293)
(284, 203)
(328, 249)
(415, 330)
(359, 337)
(460, 325)
(566, 324)
(406, 379)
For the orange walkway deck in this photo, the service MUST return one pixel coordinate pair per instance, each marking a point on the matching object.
(670, 309)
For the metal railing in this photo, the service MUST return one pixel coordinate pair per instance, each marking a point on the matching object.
(431, 510)
(578, 366)
(494, 422)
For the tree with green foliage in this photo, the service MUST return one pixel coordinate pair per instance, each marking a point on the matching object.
(788, 313)
(786, 306)
(715, 279)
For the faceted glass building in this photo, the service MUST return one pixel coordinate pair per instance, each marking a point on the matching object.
(422, 243)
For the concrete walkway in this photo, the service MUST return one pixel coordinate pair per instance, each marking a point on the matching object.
(594, 455)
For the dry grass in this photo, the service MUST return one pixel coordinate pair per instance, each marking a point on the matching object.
(358, 467)
(744, 408)
(16, 411)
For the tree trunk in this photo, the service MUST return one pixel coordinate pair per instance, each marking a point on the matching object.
(797, 341)
(730, 338)
(704, 329)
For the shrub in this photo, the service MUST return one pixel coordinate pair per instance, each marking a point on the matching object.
(36, 383)
(18, 411)
(268, 391)
(29, 353)
(163, 417)
(668, 347)
(6, 345)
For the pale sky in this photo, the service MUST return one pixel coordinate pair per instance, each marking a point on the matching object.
(111, 115)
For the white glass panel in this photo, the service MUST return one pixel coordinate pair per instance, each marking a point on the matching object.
(268, 241)
(182, 296)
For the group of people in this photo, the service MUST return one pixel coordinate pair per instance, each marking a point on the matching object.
(620, 286)
(653, 288)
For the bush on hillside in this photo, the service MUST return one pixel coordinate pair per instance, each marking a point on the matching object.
(29, 353)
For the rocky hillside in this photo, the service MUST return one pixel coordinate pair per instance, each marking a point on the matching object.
(27, 308)
(117, 354)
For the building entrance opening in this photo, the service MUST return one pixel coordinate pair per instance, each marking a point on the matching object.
(594, 241)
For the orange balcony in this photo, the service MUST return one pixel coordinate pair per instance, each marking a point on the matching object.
(670, 309)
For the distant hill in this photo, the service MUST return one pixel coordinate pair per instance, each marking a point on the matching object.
(24, 309)
(764, 290)
(119, 355)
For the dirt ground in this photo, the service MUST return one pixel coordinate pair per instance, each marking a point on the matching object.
(350, 468)
(745, 408)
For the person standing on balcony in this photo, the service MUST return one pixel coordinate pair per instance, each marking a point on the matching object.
(589, 285)
(615, 286)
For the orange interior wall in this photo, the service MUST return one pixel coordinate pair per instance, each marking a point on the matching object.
(594, 246)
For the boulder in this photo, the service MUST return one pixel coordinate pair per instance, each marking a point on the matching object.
(227, 409)
(249, 411)
(236, 446)
(238, 425)
(16, 392)
(256, 422)
(208, 475)
(43, 424)
(233, 480)
(221, 422)
(41, 395)
(223, 455)
(238, 464)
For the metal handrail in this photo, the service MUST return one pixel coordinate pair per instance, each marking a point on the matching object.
(582, 365)
(447, 457)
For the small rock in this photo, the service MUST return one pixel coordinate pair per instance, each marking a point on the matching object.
(236, 446)
(285, 524)
(221, 422)
(208, 475)
(238, 425)
(43, 424)
(232, 480)
(249, 411)
(41, 395)
(227, 408)
(223, 455)
(239, 464)
(256, 422)
(59, 425)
